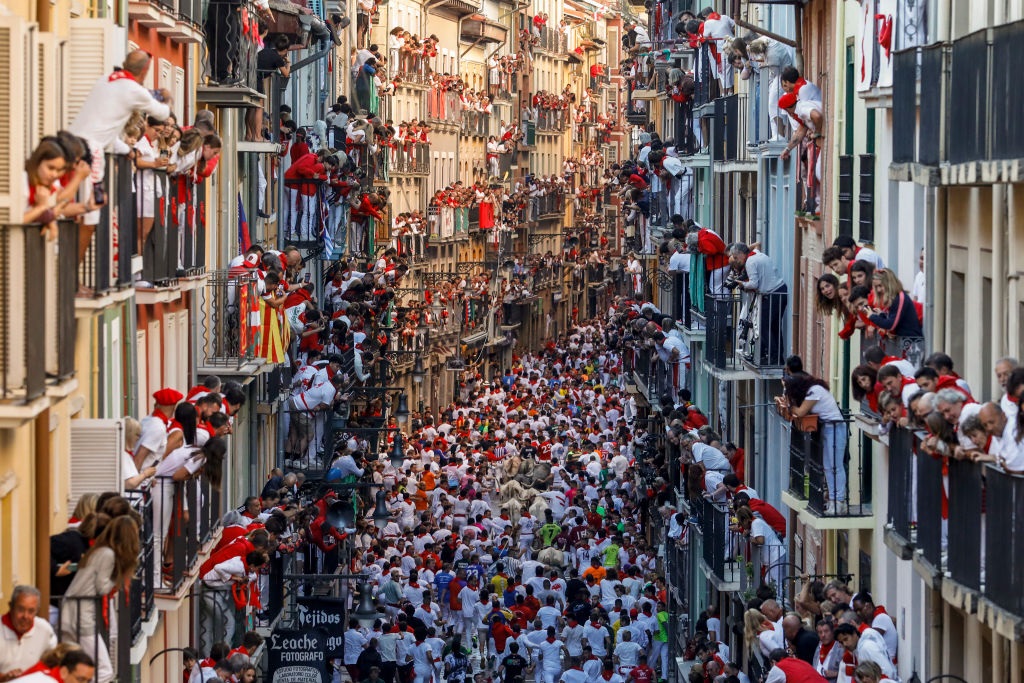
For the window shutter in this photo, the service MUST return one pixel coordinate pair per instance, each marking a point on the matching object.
(179, 94)
(846, 195)
(13, 150)
(866, 229)
(166, 75)
(94, 49)
(47, 77)
(96, 448)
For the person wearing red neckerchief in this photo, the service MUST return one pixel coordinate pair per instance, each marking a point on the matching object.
(153, 441)
(75, 666)
(828, 656)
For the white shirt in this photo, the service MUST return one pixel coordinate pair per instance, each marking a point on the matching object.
(595, 636)
(154, 438)
(551, 654)
(109, 106)
(825, 407)
(354, 644)
(712, 458)
(628, 653)
(23, 653)
(679, 262)
(884, 624)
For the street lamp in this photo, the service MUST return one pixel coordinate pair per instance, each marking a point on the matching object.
(402, 411)
(418, 373)
(381, 515)
(397, 452)
(366, 614)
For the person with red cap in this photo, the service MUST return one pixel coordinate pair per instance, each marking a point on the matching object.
(153, 440)
(807, 115)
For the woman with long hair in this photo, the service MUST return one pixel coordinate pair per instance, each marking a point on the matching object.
(862, 384)
(894, 312)
(828, 300)
(42, 172)
(106, 567)
(169, 501)
(809, 395)
(182, 430)
(759, 634)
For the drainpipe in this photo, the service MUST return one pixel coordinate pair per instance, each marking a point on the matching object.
(798, 58)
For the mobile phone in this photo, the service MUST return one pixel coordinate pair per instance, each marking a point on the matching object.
(73, 567)
(308, 277)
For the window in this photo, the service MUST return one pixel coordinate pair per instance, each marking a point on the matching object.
(955, 314)
(866, 229)
(845, 194)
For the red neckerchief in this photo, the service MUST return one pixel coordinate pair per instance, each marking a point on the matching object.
(119, 75)
(879, 609)
(6, 619)
(825, 649)
(163, 418)
(607, 675)
(714, 16)
(551, 639)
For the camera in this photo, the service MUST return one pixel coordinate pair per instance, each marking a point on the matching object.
(733, 283)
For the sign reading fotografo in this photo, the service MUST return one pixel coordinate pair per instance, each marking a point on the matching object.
(298, 656)
(329, 615)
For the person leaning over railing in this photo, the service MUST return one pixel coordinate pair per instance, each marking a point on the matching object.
(804, 396)
(108, 566)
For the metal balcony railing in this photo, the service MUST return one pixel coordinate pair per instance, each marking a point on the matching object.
(901, 513)
(745, 331)
(546, 206)
(171, 209)
(231, 319)
(731, 136)
(185, 516)
(304, 212)
(476, 123)
(724, 549)
(822, 472)
(551, 120)
(928, 492)
(409, 158)
(37, 308)
(102, 271)
(443, 105)
(232, 43)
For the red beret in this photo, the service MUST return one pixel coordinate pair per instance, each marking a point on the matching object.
(788, 100)
(168, 397)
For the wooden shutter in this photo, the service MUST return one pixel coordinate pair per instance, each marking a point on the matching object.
(179, 94)
(846, 194)
(96, 448)
(48, 78)
(13, 143)
(94, 49)
(866, 198)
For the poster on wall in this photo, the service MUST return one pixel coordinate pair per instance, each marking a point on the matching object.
(298, 656)
(875, 44)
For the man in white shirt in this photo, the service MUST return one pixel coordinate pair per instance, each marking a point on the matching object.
(24, 636)
(868, 646)
(879, 620)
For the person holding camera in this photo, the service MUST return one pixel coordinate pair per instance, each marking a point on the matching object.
(762, 278)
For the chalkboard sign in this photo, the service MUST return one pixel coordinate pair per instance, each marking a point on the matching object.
(298, 656)
(329, 615)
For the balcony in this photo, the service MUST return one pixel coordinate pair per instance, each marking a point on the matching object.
(408, 159)
(724, 550)
(547, 206)
(477, 29)
(476, 123)
(231, 320)
(745, 338)
(551, 121)
(729, 134)
(900, 524)
(186, 516)
(172, 210)
(654, 377)
(229, 55)
(553, 41)
(443, 108)
(37, 311)
(821, 465)
(413, 70)
(101, 273)
(983, 114)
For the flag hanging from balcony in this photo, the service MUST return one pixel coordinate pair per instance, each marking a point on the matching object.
(244, 241)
